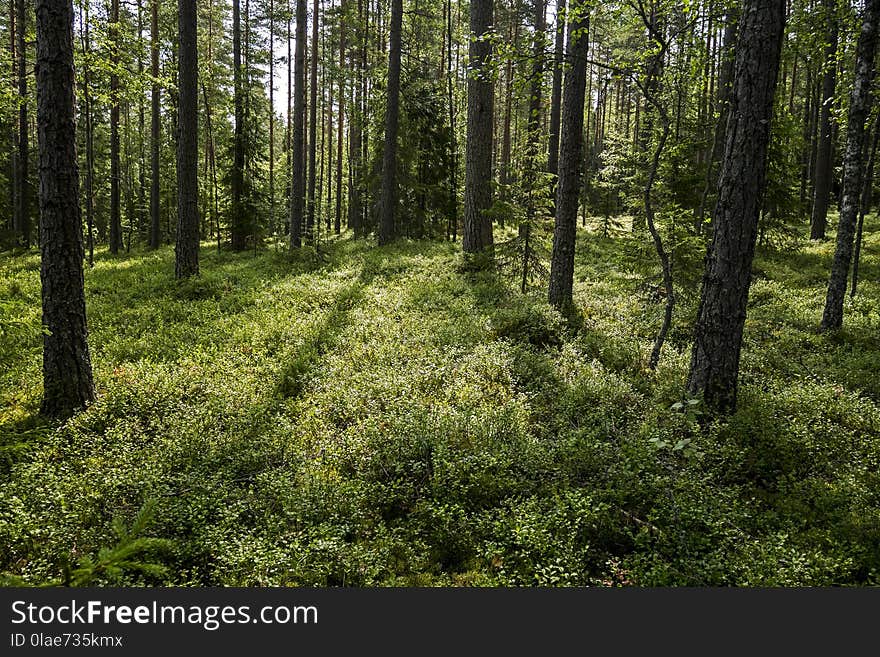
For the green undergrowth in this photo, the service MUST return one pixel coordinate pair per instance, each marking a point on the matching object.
(387, 416)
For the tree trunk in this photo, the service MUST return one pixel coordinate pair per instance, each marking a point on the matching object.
(355, 194)
(721, 316)
(23, 195)
(556, 94)
(867, 198)
(387, 225)
(570, 157)
(824, 154)
(533, 129)
(14, 223)
(187, 253)
(115, 209)
(298, 180)
(340, 133)
(154, 126)
(90, 141)
(272, 120)
(67, 368)
(860, 100)
(477, 230)
(313, 126)
(238, 226)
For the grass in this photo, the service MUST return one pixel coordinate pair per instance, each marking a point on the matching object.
(380, 416)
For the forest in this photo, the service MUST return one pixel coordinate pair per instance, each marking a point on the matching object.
(439, 293)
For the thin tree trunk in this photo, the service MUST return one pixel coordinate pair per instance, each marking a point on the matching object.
(860, 101)
(238, 226)
(867, 196)
(186, 261)
(313, 126)
(570, 157)
(298, 181)
(272, 120)
(90, 151)
(714, 367)
(824, 155)
(23, 195)
(115, 210)
(154, 126)
(67, 368)
(556, 94)
(452, 222)
(15, 220)
(340, 132)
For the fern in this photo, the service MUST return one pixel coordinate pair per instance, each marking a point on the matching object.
(111, 563)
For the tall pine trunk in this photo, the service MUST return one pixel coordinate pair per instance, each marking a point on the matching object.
(298, 180)
(67, 368)
(187, 253)
(238, 227)
(340, 132)
(115, 205)
(154, 126)
(23, 194)
(860, 100)
(477, 229)
(824, 151)
(387, 220)
(313, 126)
(570, 157)
(714, 367)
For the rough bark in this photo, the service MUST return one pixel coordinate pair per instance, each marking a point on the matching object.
(115, 204)
(570, 157)
(23, 194)
(824, 157)
(387, 221)
(477, 229)
(714, 367)
(860, 100)
(298, 178)
(187, 252)
(238, 228)
(67, 369)
(340, 132)
(154, 125)
(313, 126)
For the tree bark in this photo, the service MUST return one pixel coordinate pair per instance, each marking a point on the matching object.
(67, 369)
(340, 133)
(387, 222)
(860, 101)
(187, 251)
(714, 367)
(477, 229)
(154, 126)
(313, 126)
(298, 180)
(824, 151)
(238, 228)
(23, 195)
(90, 140)
(570, 157)
(115, 209)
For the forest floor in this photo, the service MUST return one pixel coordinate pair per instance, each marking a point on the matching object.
(380, 416)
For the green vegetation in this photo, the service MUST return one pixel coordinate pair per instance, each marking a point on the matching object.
(382, 416)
